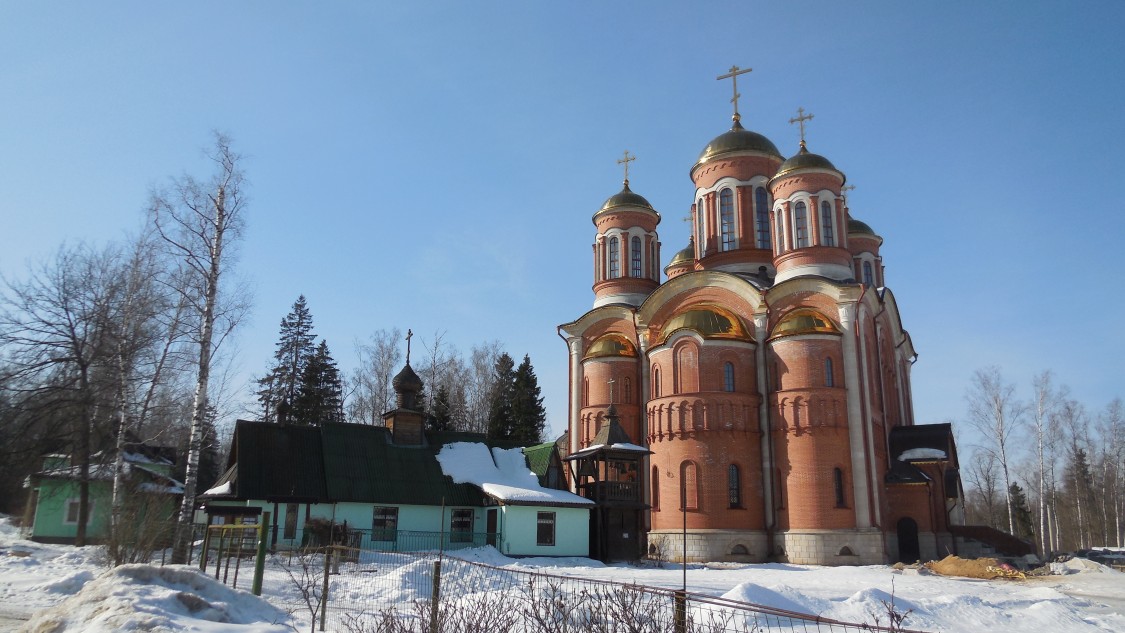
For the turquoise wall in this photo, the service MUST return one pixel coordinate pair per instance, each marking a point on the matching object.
(50, 510)
(572, 532)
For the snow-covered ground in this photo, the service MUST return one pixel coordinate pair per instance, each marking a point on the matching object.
(73, 590)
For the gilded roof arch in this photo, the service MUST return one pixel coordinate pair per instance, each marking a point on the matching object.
(804, 321)
(611, 346)
(709, 321)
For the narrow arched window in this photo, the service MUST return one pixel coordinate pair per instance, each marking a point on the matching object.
(586, 392)
(635, 256)
(726, 219)
(800, 225)
(734, 486)
(689, 486)
(838, 482)
(627, 391)
(728, 376)
(614, 258)
(780, 231)
(829, 379)
(655, 488)
(762, 210)
(656, 382)
(827, 234)
(868, 274)
(653, 273)
(701, 221)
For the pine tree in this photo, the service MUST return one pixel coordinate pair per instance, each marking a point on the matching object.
(1024, 527)
(278, 388)
(528, 415)
(441, 419)
(500, 420)
(320, 396)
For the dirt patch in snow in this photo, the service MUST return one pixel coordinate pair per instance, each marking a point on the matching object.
(984, 568)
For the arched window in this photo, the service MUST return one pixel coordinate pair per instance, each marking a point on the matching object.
(726, 219)
(627, 391)
(728, 377)
(655, 382)
(614, 258)
(652, 272)
(655, 488)
(838, 482)
(800, 226)
(635, 256)
(829, 379)
(734, 486)
(827, 234)
(780, 231)
(685, 371)
(689, 486)
(701, 221)
(586, 392)
(762, 209)
(868, 274)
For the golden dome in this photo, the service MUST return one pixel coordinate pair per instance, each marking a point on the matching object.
(709, 321)
(738, 139)
(804, 321)
(804, 159)
(611, 345)
(685, 255)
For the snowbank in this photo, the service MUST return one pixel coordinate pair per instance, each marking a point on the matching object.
(147, 598)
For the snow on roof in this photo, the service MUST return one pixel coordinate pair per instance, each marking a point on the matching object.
(221, 489)
(621, 446)
(922, 454)
(502, 474)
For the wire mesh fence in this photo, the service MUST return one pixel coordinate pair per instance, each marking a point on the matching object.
(367, 591)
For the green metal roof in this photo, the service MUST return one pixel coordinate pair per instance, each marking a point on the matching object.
(539, 458)
(278, 462)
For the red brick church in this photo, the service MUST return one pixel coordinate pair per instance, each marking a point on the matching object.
(768, 373)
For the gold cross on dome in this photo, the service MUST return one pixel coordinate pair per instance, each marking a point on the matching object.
(735, 71)
(625, 160)
(844, 193)
(800, 120)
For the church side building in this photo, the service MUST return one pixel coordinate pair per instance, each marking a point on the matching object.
(768, 374)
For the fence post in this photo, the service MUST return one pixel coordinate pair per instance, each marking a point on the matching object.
(260, 559)
(219, 553)
(679, 614)
(435, 597)
(203, 552)
(324, 588)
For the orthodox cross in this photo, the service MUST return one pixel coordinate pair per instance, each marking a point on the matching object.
(844, 193)
(610, 383)
(800, 120)
(735, 71)
(625, 160)
(409, 334)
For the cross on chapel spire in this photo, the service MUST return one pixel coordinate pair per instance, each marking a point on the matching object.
(800, 120)
(409, 334)
(735, 71)
(625, 160)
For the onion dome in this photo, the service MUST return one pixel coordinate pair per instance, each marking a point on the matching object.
(626, 198)
(687, 254)
(611, 346)
(804, 321)
(407, 380)
(737, 140)
(857, 227)
(804, 159)
(709, 321)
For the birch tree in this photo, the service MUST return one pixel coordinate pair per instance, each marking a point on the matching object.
(995, 412)
(371, 393)
(1043, 405)
(199, 221)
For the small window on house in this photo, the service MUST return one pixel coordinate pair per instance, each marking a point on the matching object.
(726, 219)
(734, 486)
(72, 507)
(635, 256)
(728, 377)
(838, 482)
(800, 226)
(545, 528)
(827, 234)
(829, 379)
(868, 274)
(689, 486)
(614, 258)
(384, 524)
(461, 526)
(761, 204)
(655, 488)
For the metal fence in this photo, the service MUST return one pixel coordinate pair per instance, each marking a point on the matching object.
(367, 591)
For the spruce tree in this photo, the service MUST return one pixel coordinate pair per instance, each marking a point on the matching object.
(1023, 518)
(441, 418)
(277, 390)
(500, 421)
(320, 396)
(528, 415)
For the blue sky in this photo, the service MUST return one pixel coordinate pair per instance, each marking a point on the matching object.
(435, 165)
